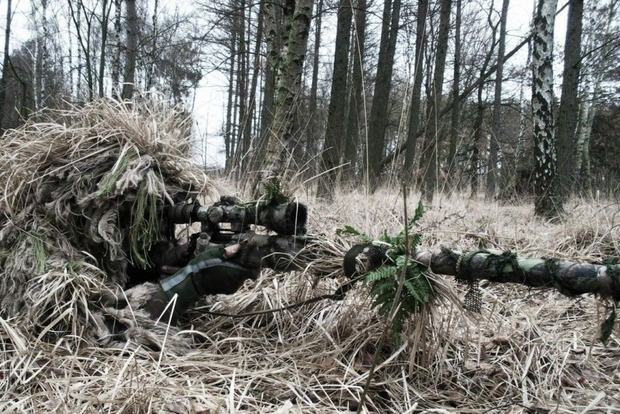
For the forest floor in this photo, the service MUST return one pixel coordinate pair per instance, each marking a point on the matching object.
(527, 351)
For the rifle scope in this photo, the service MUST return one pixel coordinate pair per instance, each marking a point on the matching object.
(285, 219)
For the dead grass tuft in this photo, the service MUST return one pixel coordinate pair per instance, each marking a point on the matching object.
(71, 184)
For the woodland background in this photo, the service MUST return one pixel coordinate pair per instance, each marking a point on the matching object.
(352, 91)
(355, 95)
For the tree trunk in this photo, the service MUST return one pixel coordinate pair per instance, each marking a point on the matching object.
(590, 96)
(430, 153)
(569, 106)
(312, 136)
(152, 56)
(132, 49)
(413, 128)
(335, 129)
(239, 21)
(481, 106)
(455, 118)
(277, 17)
(474, 160)
(247, 124)
(106, 8)
(493, 166)
(77, 20)
(70, 63)
(5, 66)
(356, 98)
(288, 94)
(378, 119)
(84, 57)
(44, 56)
(229, 137)
(546, 202)
(116, 58)
(34, 54)
(520, 177)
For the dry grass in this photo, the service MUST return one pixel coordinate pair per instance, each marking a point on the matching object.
(528, 351)
(79, 189)
(70, 188)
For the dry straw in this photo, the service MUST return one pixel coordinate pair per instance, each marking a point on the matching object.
(528, 351)
(78, 187)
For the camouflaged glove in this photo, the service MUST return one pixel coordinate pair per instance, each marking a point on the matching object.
(209, 273)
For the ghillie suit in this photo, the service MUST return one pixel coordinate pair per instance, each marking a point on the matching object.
(81, 197)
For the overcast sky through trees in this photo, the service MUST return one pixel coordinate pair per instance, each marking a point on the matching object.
(210, 101)
(210, 98)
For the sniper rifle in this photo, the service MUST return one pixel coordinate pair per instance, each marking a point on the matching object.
(278, 246)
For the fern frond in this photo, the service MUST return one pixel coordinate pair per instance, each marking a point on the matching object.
(352, 231)
(413, 291)
(273, 191)
(400, 261)
(380, 288)
(382, 273)
(384, 281)
(419, 213)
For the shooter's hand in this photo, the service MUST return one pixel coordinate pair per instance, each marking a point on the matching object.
(230, 251)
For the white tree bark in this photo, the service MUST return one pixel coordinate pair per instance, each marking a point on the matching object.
(116, 59)
(133, 28)
(595, 66)
(287, 95)
(545, 154)
(494, 165)
(44, 51)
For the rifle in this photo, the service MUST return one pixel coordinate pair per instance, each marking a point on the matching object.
(280, 245)
(285, 246)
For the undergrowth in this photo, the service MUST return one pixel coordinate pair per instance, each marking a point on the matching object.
(400, 288)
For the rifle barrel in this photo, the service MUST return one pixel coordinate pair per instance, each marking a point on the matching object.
(569, 278)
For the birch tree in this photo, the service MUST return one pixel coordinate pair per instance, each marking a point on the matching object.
(129, 77)
(597, 61)
(42, 90)
(106, 9)
(497, 106)
(278, 16)
(280, 136)
(116, 56)
(546, 202)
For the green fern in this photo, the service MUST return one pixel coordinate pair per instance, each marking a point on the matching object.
(382, 273)
(351, 231)
(417, 290)
(274, 194)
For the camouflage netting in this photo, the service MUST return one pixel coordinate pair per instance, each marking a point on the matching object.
(80, 200)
